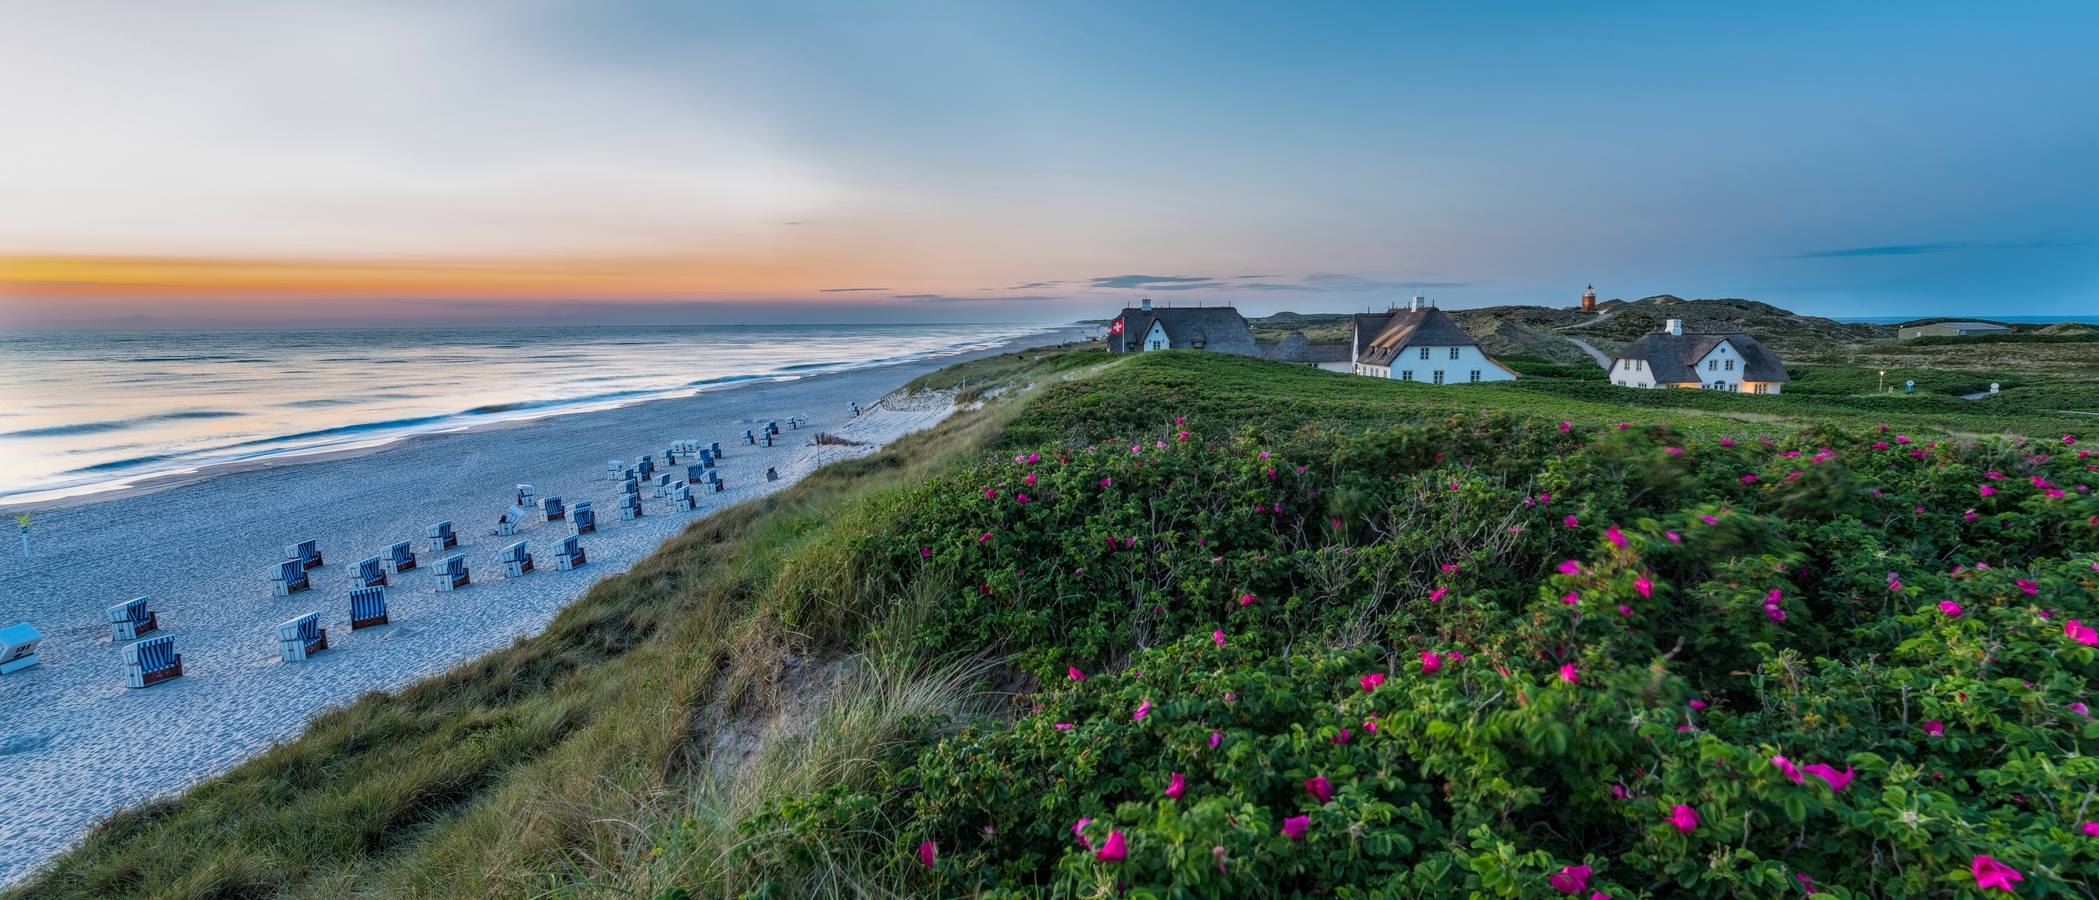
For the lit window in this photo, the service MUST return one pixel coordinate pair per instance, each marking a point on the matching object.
(1439, 376)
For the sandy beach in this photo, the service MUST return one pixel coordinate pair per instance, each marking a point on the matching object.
(76, 745)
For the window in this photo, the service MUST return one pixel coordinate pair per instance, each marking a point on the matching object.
(1475, 376)
(1453, 353)
(1439, 376)
(1640, 364)
(1406, 375)
(1424, 353)
(1621, 382)
(1712, 365)
(1730, 365)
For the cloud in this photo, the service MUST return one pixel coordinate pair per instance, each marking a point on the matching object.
(944, 298)
(1257, 276)
(1029, 286)
(1155, 282)
(1942, 247)
(847, 290)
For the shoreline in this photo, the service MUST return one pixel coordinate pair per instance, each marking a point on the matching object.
(77, 745)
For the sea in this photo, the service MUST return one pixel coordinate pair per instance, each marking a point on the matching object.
(89, 411)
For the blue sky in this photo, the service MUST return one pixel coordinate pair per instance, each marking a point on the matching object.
(988, 162)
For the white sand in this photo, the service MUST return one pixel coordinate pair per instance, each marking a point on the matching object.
(76, 745)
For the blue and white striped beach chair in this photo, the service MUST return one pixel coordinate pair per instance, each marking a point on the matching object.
(613, 467)
(288, 578)
(516, 562)
(302, 637)
(129, 620)
(371, 572)
(716, 449)
(695, 473)
(772, 427)
(18, 647)
(750, 436)
(670, 454)
(706, 458)
(714, 480)
(151, 661)
(552, 507)
(681, 498)
(400, 557)
(367, 607)
(646, 466)
(663, 484)
(507, 524)
(570, 555)
(306, 552)
(441, 536)
(631, 486)
(630, 506)
(527, 496)
(451, 573)
(582, 519)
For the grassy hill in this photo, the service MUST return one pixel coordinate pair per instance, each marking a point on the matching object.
(1337, 633)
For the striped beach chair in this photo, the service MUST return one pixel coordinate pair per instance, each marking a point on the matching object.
(670, 454)
(441, 536)
(451, 573)
(613, 468)
(582, 519)
(288, 578)
(507, 523)
(400, 557)
(516, 562)
(371, 572)
(151, 661)
(772, 427)
(631, 486)
(714, 480)
(681, 498)
(630, 506)
(715, 449)
(306, 552)
(18, 647)
(749, 436)
(302, 637)
(689, 447)
(570, 555)
(527, 496)
(367, 607)
(706, 458)
(129, 620)
(695, 473)
(663, 484)
(646, 466)
(552, 507)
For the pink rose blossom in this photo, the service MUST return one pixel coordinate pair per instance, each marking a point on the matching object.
(1430, 661)
(1571, 521)
(2029, 587)
(1569, 675)
(1786, 766)
(1294, 827)
(1218, 636)
(1644, 586)
(1950, 608)
(1990, 873)
(1075, 674)
(1570, 880)
(1837, 780)
(928, 853)
(1320, 789)
(1144, 708)
(1216, 737)
(1437, 594)
(1177, 786)
(1371, 681)
(1113, 849)
(1935, 728)
(1570, 567)
(1684, 818)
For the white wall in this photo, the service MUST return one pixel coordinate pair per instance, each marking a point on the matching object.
(1455, 371)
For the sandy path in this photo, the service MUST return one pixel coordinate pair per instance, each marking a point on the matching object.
(76, 745)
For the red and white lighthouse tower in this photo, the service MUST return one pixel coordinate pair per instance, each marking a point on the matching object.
(1589, 299)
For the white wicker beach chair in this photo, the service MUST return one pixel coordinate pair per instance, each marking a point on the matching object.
(527, 496)
(400, 557)
(371, 572)
(129, 620)
(646, 466)
(288, 578)
(306, 552)
(451, 573)
(302, 637)
(151, 661)
(716, 449)
(630, 506)
(553, 509)
(570, 555)
(441, 536)
(714, 480)
(516, 562)
(508, 522)
(613, 468)
(18, 647)
(367, 607)
(582, 519)
(681, 498)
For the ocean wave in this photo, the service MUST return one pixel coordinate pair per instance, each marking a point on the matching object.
(118, 425)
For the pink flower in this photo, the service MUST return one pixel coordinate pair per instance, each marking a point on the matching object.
(1184, 435)
(1571, 521)
(984, 537)
(1644, 586)
(1080, 830)
(1970, 515)
(1987, 490)
(1343, 737)
(1294, 827)
(1107, 482)
(1246, 600)
(1264, 454)
(2080, 709)
(1807, 884)
(1698, 704)
(925, 552)
(1020, 498)
(1180, 420)
(928, 852)
(1062, 726)
(1837, 780)
(1450, 568)
(1571, 598)
(1990, 873)
(1935, 728)
(1684, 818)
(1724, 442)
(1430, 661)
(2029, 587)
(1437, 594)
(1144, 708)
(1030, 479)
(2090, 829)
(1113, 849)
(1320, 789)
(1216, 737)
(1775, 614)
(1895, 581)
(1625, 610)
(1570, 567)
(1371, 681)
(1544, 498)
(1901, 440)
(1176, 787)
(1218, 636)
(1880, 445)
(1569, 675)
(1570, 880)
(1748, 479)
(1786, 765)
(1616, 539)
(2068, 439)
(1075, 674)
(1673, 451)
(990, 492)
(1034, 457)
(1566, 425)
(1709, 520)
(2082, 633)
(1950, 608)
(1993, 474)
(1671, 535)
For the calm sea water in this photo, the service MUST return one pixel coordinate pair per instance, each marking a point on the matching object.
(84, 411)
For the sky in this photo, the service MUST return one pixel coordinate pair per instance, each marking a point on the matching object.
(278, 164)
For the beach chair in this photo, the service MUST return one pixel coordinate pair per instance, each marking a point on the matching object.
(18, 647)
(552, 507)
(695, 473)
(527, 496)
(664, 483)
(516, 562)
(302, 637)
(706, 458)
(367, 607)
(670, 455)
(681, 498)
(306, 552)
(856, 409)
(771, 475)
(400, 557)
(716, 449)
(749, 437)
(630, 506)
(646, 466)
(768, 435)
(288, 578)
(371, 572)
(772, 428)
(451, 573)
(441, 536)
(129, 620)
(690, 447)
(570, 555)
(582, 519)
(631, 487)
(613, 468)
(714, 480)
(507, 523)
(151, 661)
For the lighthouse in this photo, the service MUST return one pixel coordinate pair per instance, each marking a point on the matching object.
(1589, 299)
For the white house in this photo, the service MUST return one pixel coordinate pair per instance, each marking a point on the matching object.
(1420, 343)
(1217, 328)
(1725, 361)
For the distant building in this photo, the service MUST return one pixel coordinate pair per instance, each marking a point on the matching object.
(1218, 328)
(1420, 343)
(1589, 299)
(1951, 329)
(1727, 361)
(1333, 356)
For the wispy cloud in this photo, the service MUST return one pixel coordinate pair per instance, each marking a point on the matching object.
(1156, 282)
(947, 298)
(1941, 247)
(847, 290)
(1029, 286)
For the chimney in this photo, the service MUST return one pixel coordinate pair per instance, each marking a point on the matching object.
(1414, 304)
(1146, 303)
(1676, 326)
